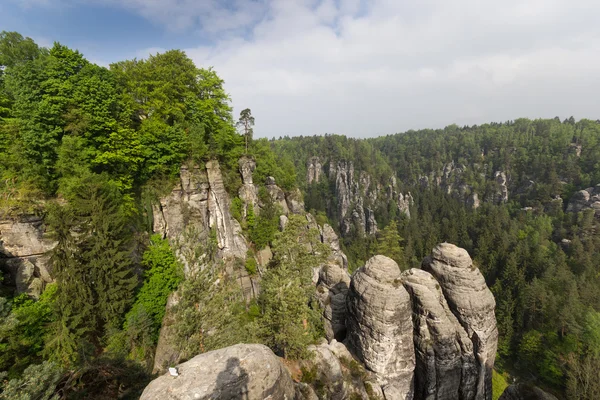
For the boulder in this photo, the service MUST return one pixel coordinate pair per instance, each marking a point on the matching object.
(379, 325)
(586, 199)
(472, 303)
(242, 371)
(445, 363)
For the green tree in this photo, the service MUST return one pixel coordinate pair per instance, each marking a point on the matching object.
(290, 314)
(246, 122)
(388, 244)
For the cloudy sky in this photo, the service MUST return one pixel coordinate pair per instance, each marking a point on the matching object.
(355, 67)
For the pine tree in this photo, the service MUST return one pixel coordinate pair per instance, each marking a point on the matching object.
(291, 317)
(388, 244)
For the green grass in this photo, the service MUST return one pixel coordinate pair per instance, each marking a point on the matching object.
(499, 383)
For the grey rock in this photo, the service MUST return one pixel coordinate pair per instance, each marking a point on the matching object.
(473, 201)
(472, 303)
(586, 199)
(501, 195)
(247, 166)
(329, 237)
(329, 372)
(283, 220)
(294, 202)
(263, 256)
(229, 232)
(314, 168)
(521, 391)
(24, 253)
(242, 371)
(332, 291)
(379, 325)
(445, 364)
(277, 195)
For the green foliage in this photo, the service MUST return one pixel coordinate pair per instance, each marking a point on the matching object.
(499, 384)
(162, 275)
(264, 227)
(38, 382)
(291, 317)
(22, 332)
(211, 314)
(388, 244)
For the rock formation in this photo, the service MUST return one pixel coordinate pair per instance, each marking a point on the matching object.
(332, 291)
(501, 194)
(472, 303)
(229, 232)
(243, 371)
(314, 168)
(277, 194)
(198, 203)
(24, 255)
(248, 192)
(445, 364)
(586, 199)
(379, 325)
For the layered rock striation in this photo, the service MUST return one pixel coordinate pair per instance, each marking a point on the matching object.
(473, 304)
(380, 327)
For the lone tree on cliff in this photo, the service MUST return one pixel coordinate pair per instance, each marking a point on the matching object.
(246, 122)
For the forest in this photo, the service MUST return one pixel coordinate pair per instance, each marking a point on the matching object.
(91, 149)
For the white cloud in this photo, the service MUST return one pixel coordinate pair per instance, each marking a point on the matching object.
(369, 67)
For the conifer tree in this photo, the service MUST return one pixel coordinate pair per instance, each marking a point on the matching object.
(388, 244)
(291, 317)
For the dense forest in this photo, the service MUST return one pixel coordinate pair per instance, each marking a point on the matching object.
(91, 149)
(540, 260)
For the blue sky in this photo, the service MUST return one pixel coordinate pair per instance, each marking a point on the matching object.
(355, 67)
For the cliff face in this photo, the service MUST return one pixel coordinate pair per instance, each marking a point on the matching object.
(421, 334)
(357, 195)
(197, 204)
(23, 254)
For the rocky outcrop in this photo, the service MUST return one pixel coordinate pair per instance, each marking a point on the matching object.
(521, 391)
(314, 169)
(501, 193)
(445, 363)
(242, 371)
(277, 195)
(248, 192)
(332, 291)
(329, 237)
(586, 199)
(294, 201)
(472, 303)
(198, 203)
(229, 232)
(24, 257)
(379, 325)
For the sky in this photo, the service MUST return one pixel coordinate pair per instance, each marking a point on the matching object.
(362, 68)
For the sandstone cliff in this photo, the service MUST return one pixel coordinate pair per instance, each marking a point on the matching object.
(473, 305)
(24, 248)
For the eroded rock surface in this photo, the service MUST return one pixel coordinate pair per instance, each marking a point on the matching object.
(24, 248)
(242, 371)
(198, 203)
(472, 303)
(332, 291)
(379, 325)
(445, 363)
